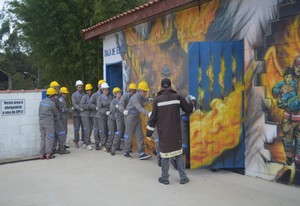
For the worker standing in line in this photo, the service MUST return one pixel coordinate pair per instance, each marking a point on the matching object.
(47, 111)
(115, 122)
(123, 104)
(166, 116)
(93, 105)
(103, 103)
(59, 130)
(77, 123)
(64, 109)
(133, 122)
(86, 118)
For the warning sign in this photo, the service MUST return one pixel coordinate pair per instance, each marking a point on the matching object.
(12, 107)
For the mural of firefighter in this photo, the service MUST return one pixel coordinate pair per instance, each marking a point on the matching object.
(244, 93)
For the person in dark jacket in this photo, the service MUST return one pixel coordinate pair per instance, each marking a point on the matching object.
(166, 117)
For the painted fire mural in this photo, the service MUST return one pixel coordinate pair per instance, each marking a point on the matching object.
(238, 121)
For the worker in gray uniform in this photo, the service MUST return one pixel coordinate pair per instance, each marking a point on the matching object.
(59, 130)
(64, 108)
(77, 123)
(93, 105)
(115, 122)
(103, 103)
(185, 133)
(86, 118)
(133, 121)
(47, 111)
(123, 104)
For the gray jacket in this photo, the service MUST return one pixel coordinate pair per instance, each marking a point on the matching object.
(93, 103)
(76, 97)
(64, 110)
(47, 111)
(136, 104)
(123, 102)
(103, 103)
(84, 106)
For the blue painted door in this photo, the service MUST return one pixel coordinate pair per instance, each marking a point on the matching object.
(114, 76)
(216, 80)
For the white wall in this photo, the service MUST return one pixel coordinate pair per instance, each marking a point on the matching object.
(19, 132)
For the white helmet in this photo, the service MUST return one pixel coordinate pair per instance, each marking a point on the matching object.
(78, 82)
(104, 86)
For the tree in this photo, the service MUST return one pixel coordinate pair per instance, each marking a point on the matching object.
(52, 31)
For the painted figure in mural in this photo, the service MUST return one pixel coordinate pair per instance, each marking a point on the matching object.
(291, 140)
(115, 122)
(133, 122)
(77, 122)
(286, 89)
(86, 117)
(166, 115)
(103, 103)
(290, 122)
(47, 113)
(93, 105)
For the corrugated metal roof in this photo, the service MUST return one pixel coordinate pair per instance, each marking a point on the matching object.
(136, 16)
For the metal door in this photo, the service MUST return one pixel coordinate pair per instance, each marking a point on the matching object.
(216, 80)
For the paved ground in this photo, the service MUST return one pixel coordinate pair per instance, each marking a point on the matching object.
(96, 178)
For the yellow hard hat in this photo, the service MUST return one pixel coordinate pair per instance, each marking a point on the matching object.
(51, 91)
(101, 82)
(54, 84)
(88, 87)
(143, 86)
(117, 89)
(64, 90)
(132, 86)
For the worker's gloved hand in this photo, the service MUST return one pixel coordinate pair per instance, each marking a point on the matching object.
(149, 114)
(107, 113)
(97, 108)
(151, 99)
(149, 138)
(62, 110)
(125, 112)
(192, 97)
(73, 108)
(81, 109)
(117, 106)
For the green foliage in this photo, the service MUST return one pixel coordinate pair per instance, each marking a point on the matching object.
(48, 32)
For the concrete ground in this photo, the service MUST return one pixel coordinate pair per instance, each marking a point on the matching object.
(96, 178)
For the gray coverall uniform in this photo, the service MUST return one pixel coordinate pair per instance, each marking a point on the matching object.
(133, 122)
(119, 134)
(103, 103)
(93, 105)
(86, 118)
(123, 102)
(111, 123)
(59, 130)
(47, 111)
(64, 113)
(77, 123)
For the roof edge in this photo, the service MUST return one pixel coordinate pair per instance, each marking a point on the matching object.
(137, 16)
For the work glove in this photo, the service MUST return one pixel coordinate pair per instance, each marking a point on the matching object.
(192, 97)
(81, 109)
(125, 112)
(149, 114)
(97, 108)
(107, 113)
(73, 108)
(151, 99)
(117, 106)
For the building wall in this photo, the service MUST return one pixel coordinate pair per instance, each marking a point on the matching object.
(270, 32)
(19, 124)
